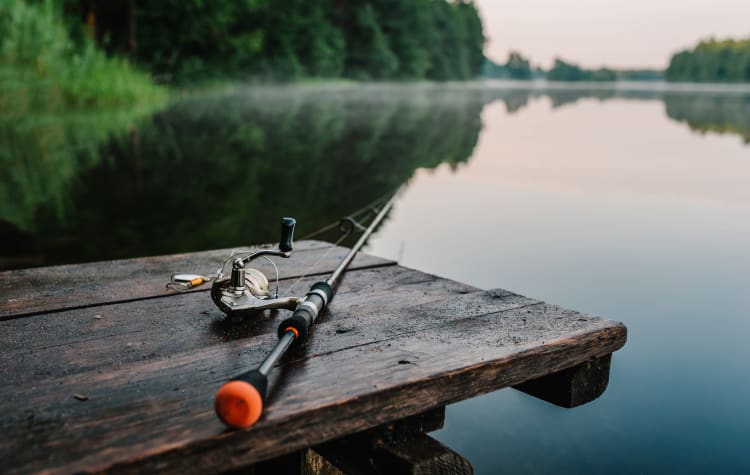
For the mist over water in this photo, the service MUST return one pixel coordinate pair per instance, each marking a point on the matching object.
(629, 202)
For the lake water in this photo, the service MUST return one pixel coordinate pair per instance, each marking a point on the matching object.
(631, 203)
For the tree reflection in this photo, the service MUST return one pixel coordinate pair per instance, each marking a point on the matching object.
(723, 114)
(219, 170)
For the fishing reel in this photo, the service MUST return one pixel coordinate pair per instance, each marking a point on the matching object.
(247, 291)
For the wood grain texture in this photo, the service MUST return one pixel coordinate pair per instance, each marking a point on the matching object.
(395, 342)
(108, 337)
(46, 289)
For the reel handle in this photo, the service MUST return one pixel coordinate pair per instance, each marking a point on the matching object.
(287, 234)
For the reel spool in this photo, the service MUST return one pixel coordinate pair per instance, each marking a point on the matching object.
(247, 290)
(257, 282)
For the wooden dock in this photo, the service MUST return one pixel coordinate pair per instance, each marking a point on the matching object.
(103, 369)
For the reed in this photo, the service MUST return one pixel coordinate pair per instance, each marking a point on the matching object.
(42, 68)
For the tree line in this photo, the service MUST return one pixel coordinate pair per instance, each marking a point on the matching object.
(519, 67)
(186, 40)
(709, 61)
(712, 61)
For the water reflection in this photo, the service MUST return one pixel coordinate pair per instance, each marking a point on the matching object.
(612, 208)
(213, 171)
(712, 113)
(218, 171)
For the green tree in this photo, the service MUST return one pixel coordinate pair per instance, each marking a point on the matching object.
(564, 71)
(407, 26)
(300, 39)
(517, 66)
(369, 55)
(190, 39)
(474, 38)
(712, 61)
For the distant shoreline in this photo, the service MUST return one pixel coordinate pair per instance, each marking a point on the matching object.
(652, 86)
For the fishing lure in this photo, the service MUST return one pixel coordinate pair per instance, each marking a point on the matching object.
(186, 281)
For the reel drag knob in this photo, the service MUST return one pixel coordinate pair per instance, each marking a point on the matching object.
(287, 233)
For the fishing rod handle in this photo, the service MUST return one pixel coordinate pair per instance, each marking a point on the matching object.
(307, 312)
(239, 402)
(287, 233)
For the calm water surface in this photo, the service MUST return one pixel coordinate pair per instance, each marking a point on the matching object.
(630, 204)
(612, 208)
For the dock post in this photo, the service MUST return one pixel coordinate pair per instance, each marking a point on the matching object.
(574, 386)
(400, 447)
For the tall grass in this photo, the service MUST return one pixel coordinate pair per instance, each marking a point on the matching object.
(41, 68)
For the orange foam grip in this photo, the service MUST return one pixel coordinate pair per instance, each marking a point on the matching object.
(238, 404)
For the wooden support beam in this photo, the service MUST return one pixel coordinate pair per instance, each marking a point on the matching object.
(399, 447)
(313, 463)
(290, 463)
(574, 386)
(419, 455)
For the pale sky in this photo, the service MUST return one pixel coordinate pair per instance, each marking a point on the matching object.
(618, 33)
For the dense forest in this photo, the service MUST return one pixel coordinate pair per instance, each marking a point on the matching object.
(187, 40)
(712, 61)
(58, 55)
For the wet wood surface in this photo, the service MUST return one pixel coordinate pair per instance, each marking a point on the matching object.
(128, 385)
(46, 289)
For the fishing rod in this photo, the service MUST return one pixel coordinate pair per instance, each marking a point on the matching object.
(239, 402)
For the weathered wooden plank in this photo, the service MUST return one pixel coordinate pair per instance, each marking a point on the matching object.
(157, 414)
(108, 337)
(574, 386)
(32, 291)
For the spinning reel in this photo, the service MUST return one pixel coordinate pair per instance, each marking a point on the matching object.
(247, 290)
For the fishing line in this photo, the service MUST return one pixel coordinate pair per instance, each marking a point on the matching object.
(368, 207)
(317, 261)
